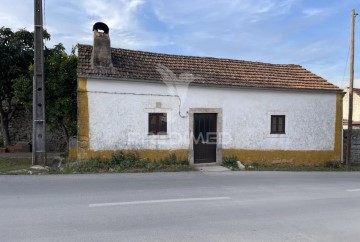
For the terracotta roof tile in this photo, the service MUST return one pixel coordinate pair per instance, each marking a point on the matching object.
(140, 65)
(357, 91)
(346, 122)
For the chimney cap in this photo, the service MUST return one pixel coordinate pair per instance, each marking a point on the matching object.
(102, 26)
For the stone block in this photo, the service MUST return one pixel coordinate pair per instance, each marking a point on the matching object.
(240, 165)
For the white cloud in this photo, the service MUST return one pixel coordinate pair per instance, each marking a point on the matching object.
(278, 31)
(188, 11)
(16, 14)
(122, 18)
(310, 12)
(356, 83)
(119, 15)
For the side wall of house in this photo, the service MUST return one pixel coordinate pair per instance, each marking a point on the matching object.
(356, 106)
(113, 115)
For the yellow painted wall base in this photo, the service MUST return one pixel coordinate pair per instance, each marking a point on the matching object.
(150, 154)
(72, 153)
(283, 156)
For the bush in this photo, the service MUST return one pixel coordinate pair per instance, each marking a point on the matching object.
(129, 162)
(231, 162)
(333, 164)
(121, 161)
(88, 166)
(171, 163)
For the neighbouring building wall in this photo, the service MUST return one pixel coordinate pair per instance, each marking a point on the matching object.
(113, 115)
(356, 106)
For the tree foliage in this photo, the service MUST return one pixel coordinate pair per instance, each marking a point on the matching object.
(60, 90)
(60, 86)
(16, 71)
(16, 54)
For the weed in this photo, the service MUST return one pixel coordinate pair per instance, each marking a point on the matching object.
(87, 166)
(128, 162)
(231, 162)
(328, 166)
(333, 164)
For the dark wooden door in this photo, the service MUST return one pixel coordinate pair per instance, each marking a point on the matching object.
(205, 137)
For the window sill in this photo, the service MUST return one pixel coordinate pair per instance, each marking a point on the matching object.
(277, 135)
(157, 137)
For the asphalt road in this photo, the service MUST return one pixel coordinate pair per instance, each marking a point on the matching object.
(193, 206)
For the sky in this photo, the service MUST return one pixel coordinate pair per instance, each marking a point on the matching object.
(314, 34)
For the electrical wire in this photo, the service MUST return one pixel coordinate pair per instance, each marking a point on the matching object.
(144, 94)
(346, 66)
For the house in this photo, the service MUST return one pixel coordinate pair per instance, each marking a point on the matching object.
(203, 108)
(356, 108)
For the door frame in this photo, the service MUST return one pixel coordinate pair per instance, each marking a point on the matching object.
(219, 115)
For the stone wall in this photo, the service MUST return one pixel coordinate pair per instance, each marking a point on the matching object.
(21, 131)
(355, 145)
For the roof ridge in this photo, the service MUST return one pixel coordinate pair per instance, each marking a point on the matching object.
(197, 57)
(142, 65)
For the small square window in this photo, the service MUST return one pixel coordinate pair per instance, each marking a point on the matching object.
(157, 123)
(277, 124)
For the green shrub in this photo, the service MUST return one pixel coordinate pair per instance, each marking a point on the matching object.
(231, 162)
(88, 166)
(333, 164)
(170, 163)
(129, 162)
(123, 161)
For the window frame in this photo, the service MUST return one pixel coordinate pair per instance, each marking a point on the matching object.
(158, 127)
(276, 125)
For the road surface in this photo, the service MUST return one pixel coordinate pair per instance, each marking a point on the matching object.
(192, 206)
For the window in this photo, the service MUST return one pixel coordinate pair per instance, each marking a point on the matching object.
(157, 123)
(277, 124)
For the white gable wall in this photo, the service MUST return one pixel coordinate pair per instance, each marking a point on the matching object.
(118, 116)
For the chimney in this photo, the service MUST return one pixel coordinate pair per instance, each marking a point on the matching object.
(101, 54)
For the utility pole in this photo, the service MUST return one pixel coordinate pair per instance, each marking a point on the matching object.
(352, 50)
(39, 137)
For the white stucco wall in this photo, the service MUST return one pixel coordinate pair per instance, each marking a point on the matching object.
(118, 112)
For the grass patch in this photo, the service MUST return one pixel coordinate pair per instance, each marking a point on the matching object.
(131, 162)
(329, 166)
(120, 162)
(128, 162)
(12, 164)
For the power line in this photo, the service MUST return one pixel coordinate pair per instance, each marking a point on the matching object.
(346, 65)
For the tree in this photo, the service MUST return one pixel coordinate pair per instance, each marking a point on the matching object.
(16, 54)
(60, 90)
